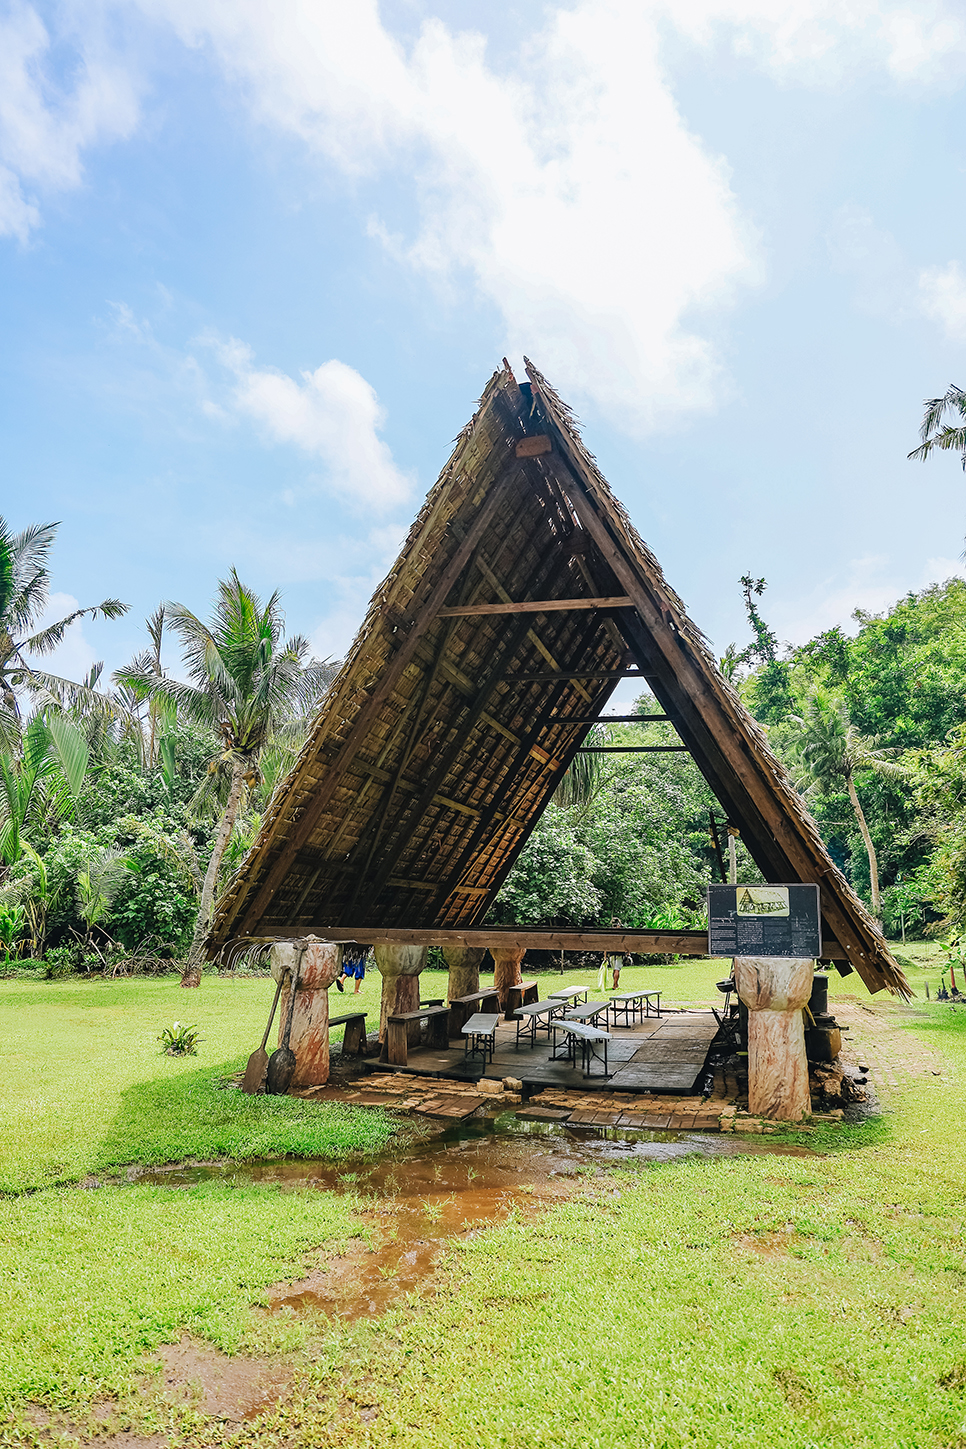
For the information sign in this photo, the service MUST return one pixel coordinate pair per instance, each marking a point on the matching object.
(764, 920)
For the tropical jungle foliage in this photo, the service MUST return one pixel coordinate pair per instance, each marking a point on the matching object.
(125, 804)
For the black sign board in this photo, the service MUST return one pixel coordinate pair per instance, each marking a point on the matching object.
(764, 920)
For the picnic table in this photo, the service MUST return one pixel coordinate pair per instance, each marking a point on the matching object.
(634, 1004)
(591, 1039)
(571, 993)
(528, 1018)
(479, 1035)
(461, 1008)
(588, 1013)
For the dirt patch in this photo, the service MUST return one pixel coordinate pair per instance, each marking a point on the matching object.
(219, 1386)
(878, 1039)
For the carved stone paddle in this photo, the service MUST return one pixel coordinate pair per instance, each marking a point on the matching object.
(254, 1079)
(281, 1064)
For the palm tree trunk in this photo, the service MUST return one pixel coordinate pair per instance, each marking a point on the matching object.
(870, 849)
(192, 971)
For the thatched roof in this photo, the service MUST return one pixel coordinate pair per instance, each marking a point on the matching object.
(445, 733)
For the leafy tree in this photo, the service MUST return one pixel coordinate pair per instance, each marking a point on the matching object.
(245, 679)
(771, 686)
(937, 435)
(40, 785)
(24, 594)
(831, 752)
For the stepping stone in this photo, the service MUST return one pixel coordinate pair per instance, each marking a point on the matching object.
(544, 1114)
(450, 1106)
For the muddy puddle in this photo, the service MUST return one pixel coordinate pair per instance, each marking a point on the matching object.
(428, 1195)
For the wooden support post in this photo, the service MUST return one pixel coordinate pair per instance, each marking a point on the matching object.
(315, 964)
(775, 989)
(464, 969)
(399, 967)
(506, 970)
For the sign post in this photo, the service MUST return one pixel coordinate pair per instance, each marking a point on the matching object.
(774, 935)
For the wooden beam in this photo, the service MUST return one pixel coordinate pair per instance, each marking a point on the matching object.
(614, 719)
(645, 943)
(576, 674)
(633, 750)
(536, 606)
(533, 447)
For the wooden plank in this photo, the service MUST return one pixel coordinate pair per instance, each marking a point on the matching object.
(565, 674)
(534, 447)
(645, 943)
(536, 606)
(544, 1114)
(633, 750)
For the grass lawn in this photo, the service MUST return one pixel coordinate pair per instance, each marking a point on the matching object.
(767, 1300)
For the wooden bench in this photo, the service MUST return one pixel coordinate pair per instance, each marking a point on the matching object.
(395, 1048)
(461, 1008)
(523, 994)
(354, 1037)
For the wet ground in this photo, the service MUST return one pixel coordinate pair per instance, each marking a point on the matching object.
(474, 1174)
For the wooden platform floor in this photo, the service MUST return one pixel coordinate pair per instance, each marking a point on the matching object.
(660, 1054)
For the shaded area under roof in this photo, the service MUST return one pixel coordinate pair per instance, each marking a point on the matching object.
(462, 701)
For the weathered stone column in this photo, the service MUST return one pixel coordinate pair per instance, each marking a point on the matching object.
(506, 970)
(399, 967)
(775, 989)
(464, 969)
(315, 965)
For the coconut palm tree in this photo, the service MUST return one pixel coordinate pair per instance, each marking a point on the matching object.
(24, 593)
(944, 437)
(829, 752)
(246, 681)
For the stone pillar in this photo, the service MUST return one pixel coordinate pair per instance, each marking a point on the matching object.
(464, 969)
(315, 965)
(399, 967)
(506, 970)
(775, 989)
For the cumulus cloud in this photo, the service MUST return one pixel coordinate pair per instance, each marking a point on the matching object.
(827, 41)
(73, 658)
(333, 414)
(871, 583)
(942, 292)
(45, 127)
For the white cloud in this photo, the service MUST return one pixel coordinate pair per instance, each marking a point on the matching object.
(942, 292)
(566, 184)
(827, 42)
(43, 127)
(872, 583)
(73, 658)
(332, 414)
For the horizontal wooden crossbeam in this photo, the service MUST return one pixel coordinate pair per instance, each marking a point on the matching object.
(632, 749)
(606, 719)
(645, 943)
(536, 606)
(576, 674)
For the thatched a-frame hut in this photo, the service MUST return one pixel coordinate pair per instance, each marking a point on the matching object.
(521, 596)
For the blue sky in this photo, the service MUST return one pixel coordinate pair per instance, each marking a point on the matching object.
(258, 262)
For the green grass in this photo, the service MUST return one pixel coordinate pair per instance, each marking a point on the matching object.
(93, 1280)
(782, 1302)
(776, 1301)
(85, 1086)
